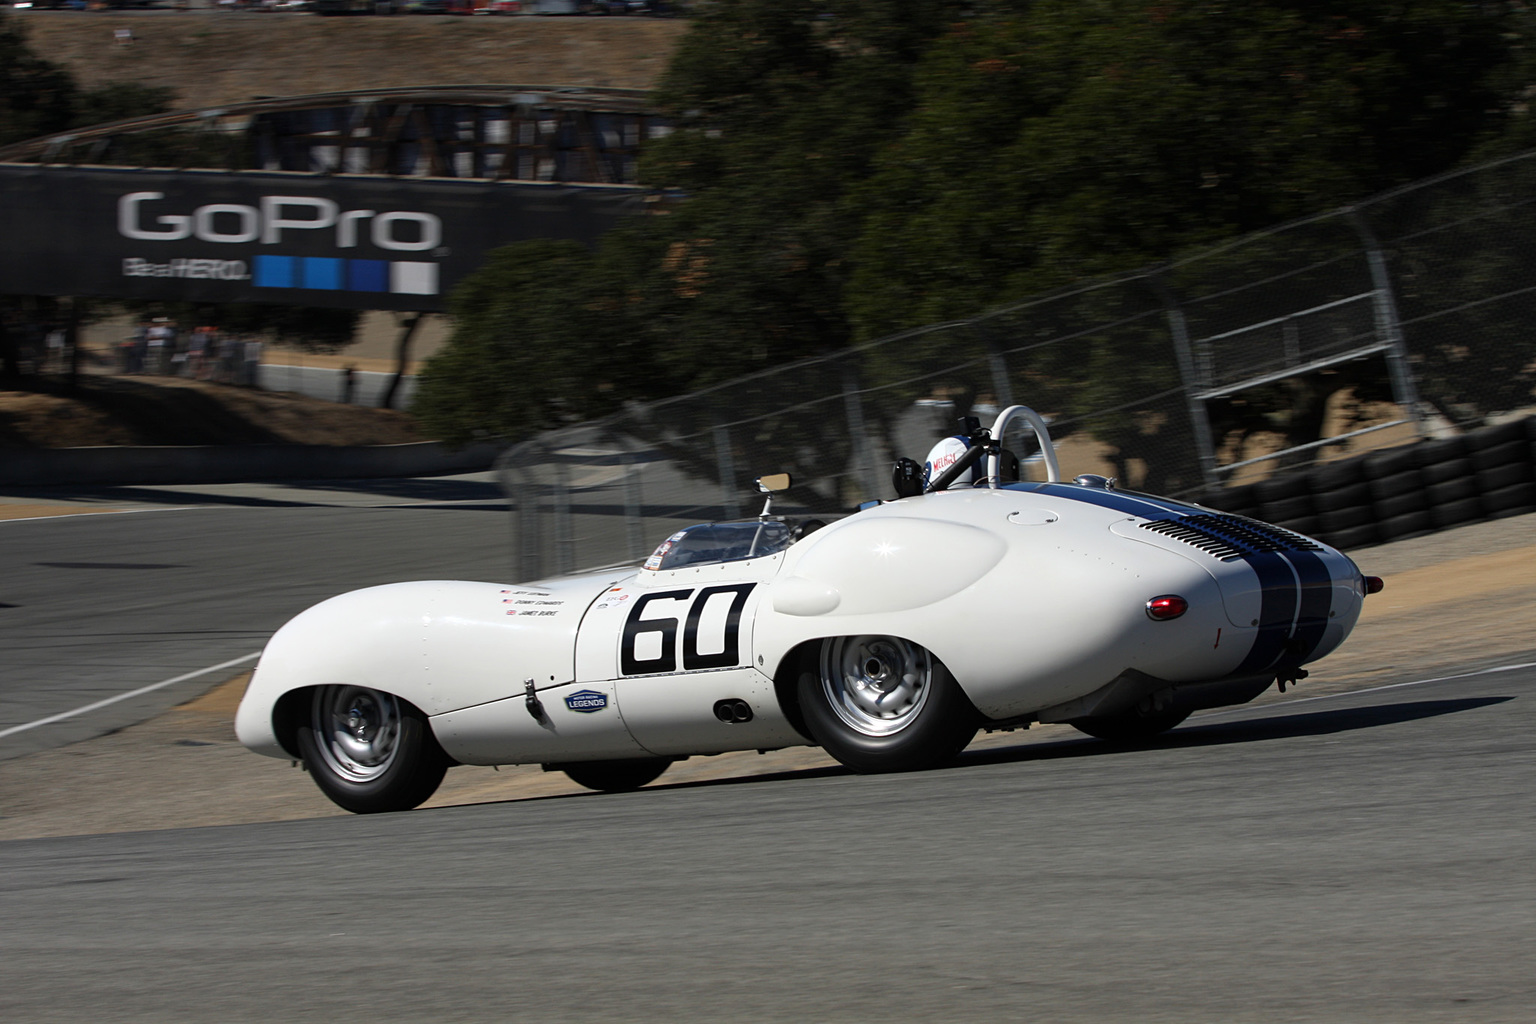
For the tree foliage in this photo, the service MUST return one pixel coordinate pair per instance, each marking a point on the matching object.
(543, 335)
(844, 169)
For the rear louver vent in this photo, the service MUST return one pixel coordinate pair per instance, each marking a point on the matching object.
(1227, 537)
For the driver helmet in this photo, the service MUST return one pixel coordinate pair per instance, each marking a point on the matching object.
(944, 455)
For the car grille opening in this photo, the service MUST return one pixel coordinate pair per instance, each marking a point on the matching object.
(1226, 537)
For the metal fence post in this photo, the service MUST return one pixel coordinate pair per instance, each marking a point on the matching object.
(727, 468)
(863, 459)
(560, 511)
(634, 507)
(1388, 326)
(999, 366)
(1194, 381)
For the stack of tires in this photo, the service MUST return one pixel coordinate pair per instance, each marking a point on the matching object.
(1346, 515)
(1286, 500)
(1401, 492)
(1502, 461)
(1399, 498)
(1449, 484)
(1240, 500)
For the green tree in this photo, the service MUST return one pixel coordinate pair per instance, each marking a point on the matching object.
(1081, 139)
(36, 96)
(543, 335)
(780, 108)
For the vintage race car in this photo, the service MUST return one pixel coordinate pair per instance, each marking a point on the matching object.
(888, 637)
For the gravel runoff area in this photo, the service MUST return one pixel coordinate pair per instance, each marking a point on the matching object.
(1454, 601)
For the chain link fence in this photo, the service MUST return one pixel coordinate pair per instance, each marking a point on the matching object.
(1401, 317)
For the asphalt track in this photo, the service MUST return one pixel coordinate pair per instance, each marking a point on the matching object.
(96, 606)
(1362, 857)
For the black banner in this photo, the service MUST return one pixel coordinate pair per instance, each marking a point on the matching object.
(284, 238)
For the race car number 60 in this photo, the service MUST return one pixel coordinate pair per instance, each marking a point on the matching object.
(725, 642)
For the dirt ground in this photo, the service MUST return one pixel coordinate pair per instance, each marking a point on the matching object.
(214, 57)
(1464, 597)
(110, 410)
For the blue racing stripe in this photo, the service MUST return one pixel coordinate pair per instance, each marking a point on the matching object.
(1277, 611)
(1316, 603)
(1143, 505)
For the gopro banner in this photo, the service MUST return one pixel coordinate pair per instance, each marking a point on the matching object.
(295, 239)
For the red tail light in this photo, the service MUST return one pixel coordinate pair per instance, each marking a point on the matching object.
(1169, 606)
(1374, 584)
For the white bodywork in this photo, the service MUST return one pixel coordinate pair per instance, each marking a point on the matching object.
(1034, 596)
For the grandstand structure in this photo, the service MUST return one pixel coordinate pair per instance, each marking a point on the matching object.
(577, 135)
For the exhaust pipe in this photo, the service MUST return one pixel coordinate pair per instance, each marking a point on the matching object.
(733, 711)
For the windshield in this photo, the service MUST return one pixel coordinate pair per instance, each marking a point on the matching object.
(711, 543)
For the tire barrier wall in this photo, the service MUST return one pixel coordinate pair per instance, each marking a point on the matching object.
(236, 464)
(1397, 493)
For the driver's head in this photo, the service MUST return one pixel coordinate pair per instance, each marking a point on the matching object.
(944, 455)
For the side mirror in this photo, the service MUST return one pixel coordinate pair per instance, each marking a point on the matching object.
(907, 478)
(773, 483)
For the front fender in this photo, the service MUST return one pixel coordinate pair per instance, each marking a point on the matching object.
(442, 645)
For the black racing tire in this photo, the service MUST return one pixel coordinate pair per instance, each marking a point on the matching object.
(1517, 452)
(884, 704)
(614, 776)
(1397, 485)
(1459, 489)
(1401, 504)
(1362, 536)
(369, 751)
(1408, 524)
(1454, 513)
(1289, 509)
(1131, 726)
(1347, 496)
(1346, 518)
(1511, 474)
(1390, 462)
(1510, 501)
(1442, 472)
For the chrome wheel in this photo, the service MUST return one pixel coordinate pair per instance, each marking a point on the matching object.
(357, 731)
(877, 685)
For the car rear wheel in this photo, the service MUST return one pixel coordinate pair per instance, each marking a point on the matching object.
(884, 704)
(615, 776)
(369, 751)
(1131, 726)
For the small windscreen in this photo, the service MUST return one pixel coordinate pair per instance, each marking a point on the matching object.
(711, 543)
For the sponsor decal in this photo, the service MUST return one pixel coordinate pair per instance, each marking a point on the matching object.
(276, 219)
(235, 223)
(196, 270)
(586, 701)
(614, 598)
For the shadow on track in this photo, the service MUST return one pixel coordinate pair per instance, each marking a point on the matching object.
(1312, 723)
(1278, 727)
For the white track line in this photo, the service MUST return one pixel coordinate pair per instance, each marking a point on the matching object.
(1372, 689)
(130, 694)
(103, 512)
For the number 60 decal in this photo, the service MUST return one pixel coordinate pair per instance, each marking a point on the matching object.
(729, 649)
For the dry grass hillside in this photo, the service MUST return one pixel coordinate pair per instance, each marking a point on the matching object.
(214, 57)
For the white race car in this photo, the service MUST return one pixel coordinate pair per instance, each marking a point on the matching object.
(888, 637)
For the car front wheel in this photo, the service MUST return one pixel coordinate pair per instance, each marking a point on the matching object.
(884, 704)
(369, 751)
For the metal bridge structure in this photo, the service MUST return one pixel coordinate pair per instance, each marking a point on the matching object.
(486, 132)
